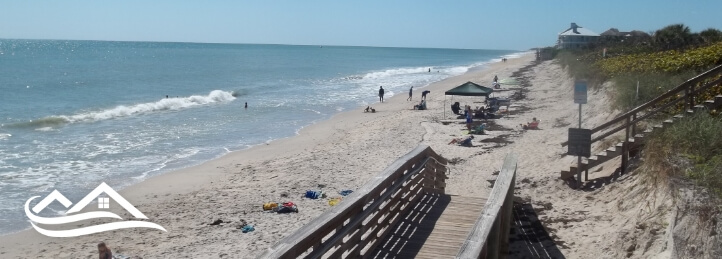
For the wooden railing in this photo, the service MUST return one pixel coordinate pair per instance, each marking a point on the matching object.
(684, 92)
(490, 236)
(359, 223)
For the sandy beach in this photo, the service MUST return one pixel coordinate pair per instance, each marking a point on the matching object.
(343, 153)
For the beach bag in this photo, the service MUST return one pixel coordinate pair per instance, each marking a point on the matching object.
(287, 207)
(269, 205)
(313, 194)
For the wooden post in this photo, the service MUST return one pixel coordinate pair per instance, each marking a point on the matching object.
(625, 147)
(494, 239)
(634, 128)
(690, 97)
(506, 213)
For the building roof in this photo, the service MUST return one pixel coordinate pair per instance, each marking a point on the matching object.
(574, 29)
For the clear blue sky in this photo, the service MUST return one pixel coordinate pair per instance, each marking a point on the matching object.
(480, 24)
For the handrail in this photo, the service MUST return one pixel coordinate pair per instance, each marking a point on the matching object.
(356, 225)
(686, 86)
(490, 236)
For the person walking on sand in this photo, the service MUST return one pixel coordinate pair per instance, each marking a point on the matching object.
(104, 251)
(381, 93)
(411, 91)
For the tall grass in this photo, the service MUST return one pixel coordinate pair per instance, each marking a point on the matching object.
(651, 85)
(691, 149)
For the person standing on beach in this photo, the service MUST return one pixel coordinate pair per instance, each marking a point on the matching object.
(104, 251)
(411, 91)
(495, 79)
(381, 93)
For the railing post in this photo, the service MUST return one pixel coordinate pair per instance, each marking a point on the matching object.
(690, 96)
(634, 128)
(625, 147)
(506, 213)
(494, 239)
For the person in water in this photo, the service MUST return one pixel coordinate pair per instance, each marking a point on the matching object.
(381, 93)
(104, 251)
(246, 107)
(411, 91)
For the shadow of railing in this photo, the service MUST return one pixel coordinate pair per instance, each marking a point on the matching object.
(416, 226)
(529, 238)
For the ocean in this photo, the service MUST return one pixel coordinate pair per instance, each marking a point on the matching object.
(74, 114)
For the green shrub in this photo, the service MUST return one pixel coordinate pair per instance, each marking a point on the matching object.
(690, 148)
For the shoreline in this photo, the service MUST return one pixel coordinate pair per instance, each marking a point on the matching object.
(325, 138)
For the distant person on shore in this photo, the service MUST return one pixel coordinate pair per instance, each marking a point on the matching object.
(411, 92)
(104, 251)
(381, 93)
(496, 79)
(424, 93)
(246, 106)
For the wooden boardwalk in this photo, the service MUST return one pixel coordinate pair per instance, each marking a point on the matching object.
(435, 228)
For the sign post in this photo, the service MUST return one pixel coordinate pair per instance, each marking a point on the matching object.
(580, 97)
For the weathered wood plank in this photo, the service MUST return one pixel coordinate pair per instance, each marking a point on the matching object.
(489, 218)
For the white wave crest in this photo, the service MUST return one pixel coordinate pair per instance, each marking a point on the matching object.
(215, 96)
(395, 72)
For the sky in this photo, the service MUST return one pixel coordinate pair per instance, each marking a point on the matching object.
(480, 24)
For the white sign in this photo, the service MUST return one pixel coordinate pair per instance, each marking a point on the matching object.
(580, 92)
(103, 203)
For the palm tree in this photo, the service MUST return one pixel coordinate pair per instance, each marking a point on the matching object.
(711, 35)
(675, 36)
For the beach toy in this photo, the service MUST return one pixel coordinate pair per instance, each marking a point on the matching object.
(345, 192)
(247, 228)
(334, 201)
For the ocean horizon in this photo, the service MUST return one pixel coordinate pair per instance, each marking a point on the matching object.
(74, 114)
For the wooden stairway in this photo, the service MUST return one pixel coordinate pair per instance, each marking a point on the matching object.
(637, 141)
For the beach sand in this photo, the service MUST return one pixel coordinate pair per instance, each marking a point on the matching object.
(343, 153)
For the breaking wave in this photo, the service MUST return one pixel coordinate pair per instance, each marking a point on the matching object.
(215, 96)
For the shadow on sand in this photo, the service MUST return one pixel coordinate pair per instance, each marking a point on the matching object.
(529, 238)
